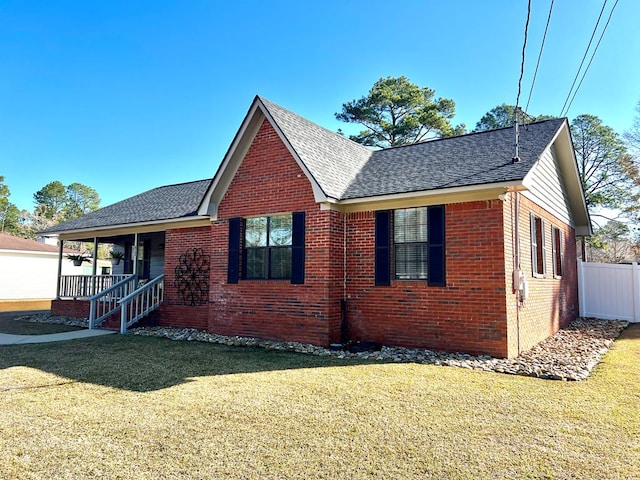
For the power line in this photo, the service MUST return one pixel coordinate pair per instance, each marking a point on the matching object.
(592, 55)
(544, 37)
(516, 157)
(586, 52)
(524, 47)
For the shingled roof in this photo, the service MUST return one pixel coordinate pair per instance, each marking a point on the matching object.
(347, 170)
(11, 242)
(163, 203)
(472, 159)
(342, 170)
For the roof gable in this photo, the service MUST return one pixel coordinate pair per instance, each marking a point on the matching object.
(341, 170)
(553, 182)
(329, 160)
(332, 159)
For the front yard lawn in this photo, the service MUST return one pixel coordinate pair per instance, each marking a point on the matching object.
(138, 407)
(14, 325)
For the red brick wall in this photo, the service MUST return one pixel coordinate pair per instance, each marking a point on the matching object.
(469, 314)
(269, 182)
(476, 312)
(552, 302)
(174, 312)
(81, 309)
(70, 308)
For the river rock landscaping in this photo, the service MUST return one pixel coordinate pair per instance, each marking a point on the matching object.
(570, 354)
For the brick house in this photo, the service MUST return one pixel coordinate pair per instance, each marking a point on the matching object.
(304, 235)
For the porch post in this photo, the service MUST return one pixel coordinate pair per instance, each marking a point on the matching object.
(135, 254)
(60, 251)
(95, 266)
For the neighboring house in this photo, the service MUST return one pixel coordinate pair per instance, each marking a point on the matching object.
(29, 272)
(304, 235)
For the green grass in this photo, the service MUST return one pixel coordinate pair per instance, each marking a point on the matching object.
(139, 407)
(13, 325)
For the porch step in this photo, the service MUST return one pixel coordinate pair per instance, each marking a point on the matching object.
(113, 322)
(151, 320)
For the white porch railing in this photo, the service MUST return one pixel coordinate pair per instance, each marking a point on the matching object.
(141, 302)
(83, 286)
(106, 302)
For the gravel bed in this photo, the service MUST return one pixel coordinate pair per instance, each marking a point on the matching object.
(570, 354)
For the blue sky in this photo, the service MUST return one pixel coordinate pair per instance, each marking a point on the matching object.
(127, 96)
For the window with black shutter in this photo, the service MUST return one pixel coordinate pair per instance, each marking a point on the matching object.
(538, 247)
(382, 248)
(410, 242)
(557, 251)
(418, 244)
(268, 245)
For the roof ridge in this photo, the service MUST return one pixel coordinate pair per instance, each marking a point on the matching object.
(336, 134)
(332, 160)
(468, 134)
(179, 183)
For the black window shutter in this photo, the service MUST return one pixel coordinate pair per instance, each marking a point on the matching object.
(233, 263)
(543, 242)
(554, 252)
(534, 245)
(436, 233)
(297, 247)
(383, 250)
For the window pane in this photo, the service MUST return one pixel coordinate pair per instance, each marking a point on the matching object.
(411, 261)
(410, 225)
(557, 243)
(255, 232)
(280, 263)
(399, 221)
(280, 230)
(256, 262)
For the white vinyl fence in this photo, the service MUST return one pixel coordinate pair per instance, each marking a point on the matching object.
(609, 291)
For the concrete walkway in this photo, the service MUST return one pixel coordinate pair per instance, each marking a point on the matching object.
(6, 339)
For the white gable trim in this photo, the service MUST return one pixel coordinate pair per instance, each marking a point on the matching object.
(238, 149)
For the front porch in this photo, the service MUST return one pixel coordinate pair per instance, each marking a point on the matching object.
(119, 295)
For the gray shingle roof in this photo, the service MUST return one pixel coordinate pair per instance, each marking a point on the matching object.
(347, 170)
(344, 169)
(473, 159)
(333, 160)
(162, 203)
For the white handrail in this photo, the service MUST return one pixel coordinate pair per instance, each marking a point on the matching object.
(141, 302)
(105, 303)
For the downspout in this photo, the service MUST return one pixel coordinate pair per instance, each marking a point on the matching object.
(344, 320)
(518, 266)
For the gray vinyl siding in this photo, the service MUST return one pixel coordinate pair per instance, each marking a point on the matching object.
(547, 187)
(157, 260)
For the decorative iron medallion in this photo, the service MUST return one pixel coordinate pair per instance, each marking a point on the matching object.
(192, 277)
